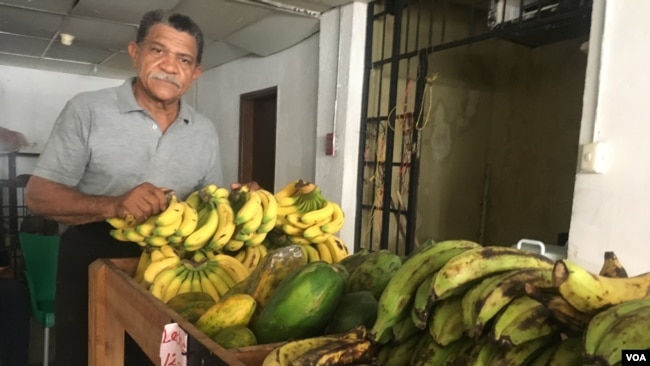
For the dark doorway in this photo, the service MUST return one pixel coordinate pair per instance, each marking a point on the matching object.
(257, 137)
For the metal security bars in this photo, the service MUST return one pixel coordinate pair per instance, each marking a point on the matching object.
(401, 37)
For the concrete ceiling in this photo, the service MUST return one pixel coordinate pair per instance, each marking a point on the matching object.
(30, 31)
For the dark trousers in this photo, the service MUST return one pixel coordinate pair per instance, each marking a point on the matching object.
(78, 248)
(15, 313)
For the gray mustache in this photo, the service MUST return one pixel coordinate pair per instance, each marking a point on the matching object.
(166, 77)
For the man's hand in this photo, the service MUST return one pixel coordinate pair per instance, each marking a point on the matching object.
(253, 186)
(141, 202)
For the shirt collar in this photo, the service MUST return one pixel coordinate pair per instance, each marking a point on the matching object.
(126, 102)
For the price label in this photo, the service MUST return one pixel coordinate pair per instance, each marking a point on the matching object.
(173, 346)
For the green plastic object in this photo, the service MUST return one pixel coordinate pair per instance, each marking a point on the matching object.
(41, 254)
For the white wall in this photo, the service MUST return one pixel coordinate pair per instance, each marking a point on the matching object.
(610, 210)
(30, 101)
(295, 74)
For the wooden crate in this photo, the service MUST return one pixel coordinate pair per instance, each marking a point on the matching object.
(119, 305)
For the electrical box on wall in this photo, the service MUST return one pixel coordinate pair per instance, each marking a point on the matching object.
(593, 158)
(330, 144)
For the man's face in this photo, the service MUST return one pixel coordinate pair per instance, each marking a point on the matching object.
(166, 62)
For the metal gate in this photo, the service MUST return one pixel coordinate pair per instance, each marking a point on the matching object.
(401, 35)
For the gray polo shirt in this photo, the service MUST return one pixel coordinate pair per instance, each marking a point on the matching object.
(104, 143)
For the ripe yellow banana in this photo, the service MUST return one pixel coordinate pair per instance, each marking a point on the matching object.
(146, 227)
(194, 200)
(226, 227)
(312, 253)
(251, 259)
(168, 251)
(324, 252)
(324, 213)
(205, 230)
(156, 241)
(221, 194)
(269, 206)
(249, 208)
(189, 222)
(119, 223)
(220, 280)
(223, 275)
(234, 245)
(118, 234)
(588, 292)
(255, 240)
(158, 266)
(288, 190)
(186, 285)
(174, 285)
(251, 226)
(336, 222)
(312, 232)
(285, 354)
(293, 219)
(266, 228)
(132, 235)
(163, 280)
(169, 230)
(156, 255)
(235, 269)
(292, 230)
(207, 286)
(143, 263)
(172, 214)
(296, 239)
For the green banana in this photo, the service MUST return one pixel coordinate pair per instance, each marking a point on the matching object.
(481, 262)
(421, 305)
(544, 355)
(404, 329)
(482, 352)
(431, 353)
(471, 304)
(402, 353)
(568, 353)
(375, 272)
(523, 320)
(559, 308)
(496, 295)
(521, 354)
(396, 297)
(446, 322)
(629, 331)
(601, 323)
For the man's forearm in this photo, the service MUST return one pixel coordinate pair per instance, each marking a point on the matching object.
(65, 204)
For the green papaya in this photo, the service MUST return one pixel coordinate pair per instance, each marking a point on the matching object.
(235, 337)
(352, 261)
(375, 272)
(193, 311)
(302, 304)
(183, 299)
(354, 309)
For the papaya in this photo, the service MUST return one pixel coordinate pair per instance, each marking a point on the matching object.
(352, 261)
(302, 304)
(181, 300)
(277, 265)
(235, 337)
(375, 272)
(194, 310)
(354, 309)
(234, 310)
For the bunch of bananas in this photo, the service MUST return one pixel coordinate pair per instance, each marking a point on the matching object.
(305, 215)
(348, 348)
(166, 274)
(212, 217)
(458, 301)
(254, 216)
(332, 250)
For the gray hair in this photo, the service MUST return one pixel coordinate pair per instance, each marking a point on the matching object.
(177, 21)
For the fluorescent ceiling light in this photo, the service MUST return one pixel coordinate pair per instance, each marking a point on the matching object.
(276, 5)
